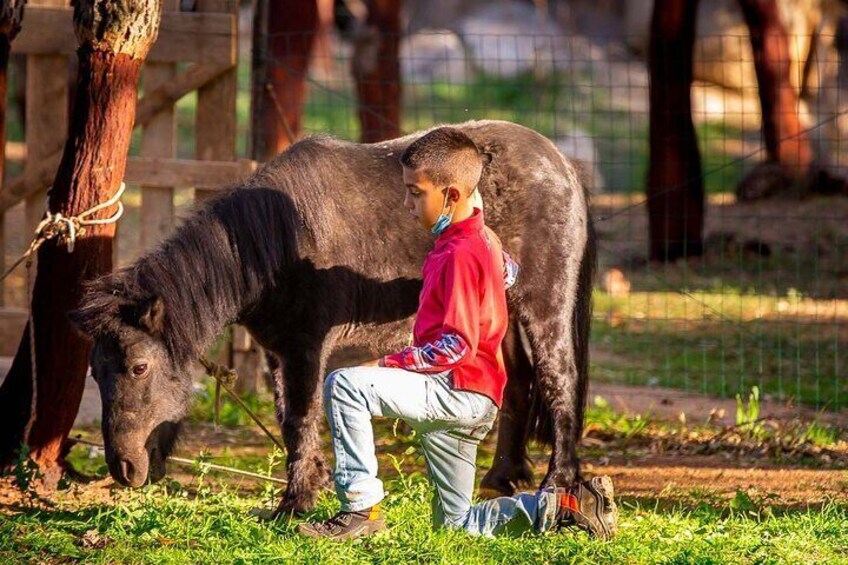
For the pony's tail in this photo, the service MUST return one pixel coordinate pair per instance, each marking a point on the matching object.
(540, 422)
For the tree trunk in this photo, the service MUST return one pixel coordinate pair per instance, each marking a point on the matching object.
(376, 68)
(283, 39)
(788, 149)
(675, 187)
(115, 37)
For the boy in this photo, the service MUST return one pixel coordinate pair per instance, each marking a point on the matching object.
(449, 383)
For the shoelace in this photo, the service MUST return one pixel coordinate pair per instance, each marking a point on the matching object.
(337, 522)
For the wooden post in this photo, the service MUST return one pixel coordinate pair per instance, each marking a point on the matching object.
(46, 117)
(216, 140)
(159, 140)
(376, 68)
(114, 37)
(216, 105)
(11, 15)
(675, 188)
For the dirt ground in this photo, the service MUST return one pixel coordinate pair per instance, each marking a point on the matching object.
(640, 472)
(665, 479)
(651, 470)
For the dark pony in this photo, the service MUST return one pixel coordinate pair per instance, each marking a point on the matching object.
(316, 256)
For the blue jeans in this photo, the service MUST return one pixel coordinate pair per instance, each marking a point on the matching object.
(450, 423)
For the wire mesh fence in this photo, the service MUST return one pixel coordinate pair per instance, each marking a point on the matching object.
(766, 304)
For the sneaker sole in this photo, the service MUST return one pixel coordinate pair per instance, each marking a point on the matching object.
(606, 513)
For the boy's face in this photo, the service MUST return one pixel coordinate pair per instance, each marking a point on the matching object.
(425, 200)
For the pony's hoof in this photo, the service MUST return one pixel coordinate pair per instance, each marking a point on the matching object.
(290, 509)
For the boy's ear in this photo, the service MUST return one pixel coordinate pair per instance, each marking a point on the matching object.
(454, 194)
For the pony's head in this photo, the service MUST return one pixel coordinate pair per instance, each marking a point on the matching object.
(145, 392)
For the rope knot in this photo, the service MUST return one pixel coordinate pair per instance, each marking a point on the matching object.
(66, 229)
(220, 373)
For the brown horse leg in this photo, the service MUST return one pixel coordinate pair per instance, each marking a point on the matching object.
(306, 467)
(510, 469)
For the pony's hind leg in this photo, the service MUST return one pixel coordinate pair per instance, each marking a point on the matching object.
(562, 397)
(556, 313)
(510, 468)
(306, 467)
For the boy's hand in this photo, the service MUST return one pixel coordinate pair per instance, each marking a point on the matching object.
(373, 363)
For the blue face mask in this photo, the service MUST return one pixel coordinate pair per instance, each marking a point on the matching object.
(443, 221)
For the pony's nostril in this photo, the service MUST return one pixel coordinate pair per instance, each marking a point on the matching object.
(127, 470)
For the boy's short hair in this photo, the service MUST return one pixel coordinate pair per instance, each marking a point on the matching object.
(447, 156)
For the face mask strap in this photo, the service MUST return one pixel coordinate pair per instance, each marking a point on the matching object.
(444, 220)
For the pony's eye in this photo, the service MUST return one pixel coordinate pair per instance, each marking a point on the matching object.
(140, 369)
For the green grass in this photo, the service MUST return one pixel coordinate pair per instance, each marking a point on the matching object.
(207, 519)
(199, 524)
(722, 343)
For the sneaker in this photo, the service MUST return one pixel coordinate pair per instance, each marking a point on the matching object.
(345, 525)
(590, 507)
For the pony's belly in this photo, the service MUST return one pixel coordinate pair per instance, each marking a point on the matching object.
(370, 341)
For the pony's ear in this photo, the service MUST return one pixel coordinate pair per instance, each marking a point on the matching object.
(151, 316)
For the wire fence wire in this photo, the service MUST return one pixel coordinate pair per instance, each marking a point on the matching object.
(766, 304)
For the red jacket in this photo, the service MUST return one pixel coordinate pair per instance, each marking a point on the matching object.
(462, 315)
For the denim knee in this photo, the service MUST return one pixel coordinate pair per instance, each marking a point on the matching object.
(330, 383)
(340, 383)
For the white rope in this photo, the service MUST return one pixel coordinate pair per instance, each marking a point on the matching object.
(69, 227)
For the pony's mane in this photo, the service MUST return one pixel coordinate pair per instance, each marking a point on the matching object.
(214, 266)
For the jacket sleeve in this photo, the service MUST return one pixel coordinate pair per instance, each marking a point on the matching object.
(460, 333)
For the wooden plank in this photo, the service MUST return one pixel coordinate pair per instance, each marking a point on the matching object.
(38, 175)
(187, 37)
(168, 93)
(159, 139)
(227, 6)
(41, 172)
(12, 322)
(46, 126)
(215, 136)
(207, 175)
(216, 113)
(210, 176)
(247, 361)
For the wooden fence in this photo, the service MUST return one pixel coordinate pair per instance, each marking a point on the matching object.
(195, 51)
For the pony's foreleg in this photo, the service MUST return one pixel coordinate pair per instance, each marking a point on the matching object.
(306, 466)
(510, 469)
